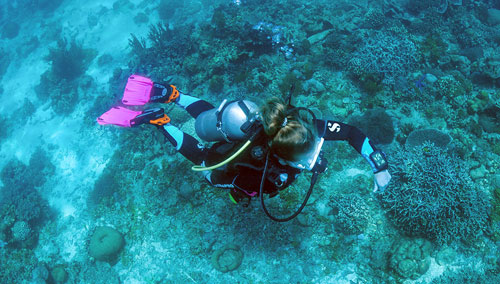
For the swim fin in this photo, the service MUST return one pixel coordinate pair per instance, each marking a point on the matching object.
(137, 91)
(125, 117)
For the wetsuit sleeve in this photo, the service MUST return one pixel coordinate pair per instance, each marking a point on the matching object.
(335, 130)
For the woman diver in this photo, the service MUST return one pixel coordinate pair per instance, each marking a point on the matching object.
(257, 150)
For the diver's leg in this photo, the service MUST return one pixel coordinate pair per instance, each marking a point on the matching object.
(184, 143)
(194, 106)
(169, 93)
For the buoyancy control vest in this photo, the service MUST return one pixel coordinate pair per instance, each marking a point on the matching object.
(249, 165)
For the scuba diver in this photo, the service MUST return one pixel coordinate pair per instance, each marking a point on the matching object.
(257, 151)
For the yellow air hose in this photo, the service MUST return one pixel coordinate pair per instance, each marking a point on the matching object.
(201, 168)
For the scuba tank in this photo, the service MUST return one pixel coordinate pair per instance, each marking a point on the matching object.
(227, 122)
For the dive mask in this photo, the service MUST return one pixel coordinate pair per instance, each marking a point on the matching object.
(306, 161)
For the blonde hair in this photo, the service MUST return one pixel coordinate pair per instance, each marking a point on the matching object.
(291, 134)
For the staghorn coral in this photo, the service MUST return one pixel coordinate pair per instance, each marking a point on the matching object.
(433, 196)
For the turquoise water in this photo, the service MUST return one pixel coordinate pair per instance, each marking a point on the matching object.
(85, 203)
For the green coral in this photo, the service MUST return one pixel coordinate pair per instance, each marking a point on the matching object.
(105, 244)
(449, 87)
(479, 102)
(433, 47)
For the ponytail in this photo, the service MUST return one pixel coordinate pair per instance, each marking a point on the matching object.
(290, 133)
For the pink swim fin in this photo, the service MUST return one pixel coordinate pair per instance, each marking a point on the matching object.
(137, 91)
(118, 116)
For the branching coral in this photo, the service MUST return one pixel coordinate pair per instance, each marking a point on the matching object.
(69, 60)
(432, 195)
(388, 54)
(351, 213)
(20, 182)
(167, 47)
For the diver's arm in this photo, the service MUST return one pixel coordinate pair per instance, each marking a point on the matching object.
(335, 130)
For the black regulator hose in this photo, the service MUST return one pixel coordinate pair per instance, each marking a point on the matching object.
(261, 193)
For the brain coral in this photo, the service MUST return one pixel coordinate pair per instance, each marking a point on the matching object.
(105, 244)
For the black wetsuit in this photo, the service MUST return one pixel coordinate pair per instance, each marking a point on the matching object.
(242, 176)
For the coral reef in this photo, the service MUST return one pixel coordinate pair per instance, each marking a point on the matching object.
(100, 273)
(434, 136)
(19, 266)
(410, 258)
(59, 274)
(19, 190)
(105, 244)
(20, 231)
(166, 8)
(4, 127)
(69, 60)
(389, 55)
(103, 190)
(376, 124)
(467, 275)
(404, 68)
(227, 258)
(432, 196)
(351, 213)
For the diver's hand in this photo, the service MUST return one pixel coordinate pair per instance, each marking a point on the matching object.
(381, 180)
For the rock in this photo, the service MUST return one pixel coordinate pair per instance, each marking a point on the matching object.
(105, 244)
(445, 256)
(186, 191)
(430, 78)
(496, 181)
(227, 258)
(314, 86)
(379, 254)
(58, 274)
(478, 173)
(305, 220)
(493, 16)
(319, 36)
(40, 273)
